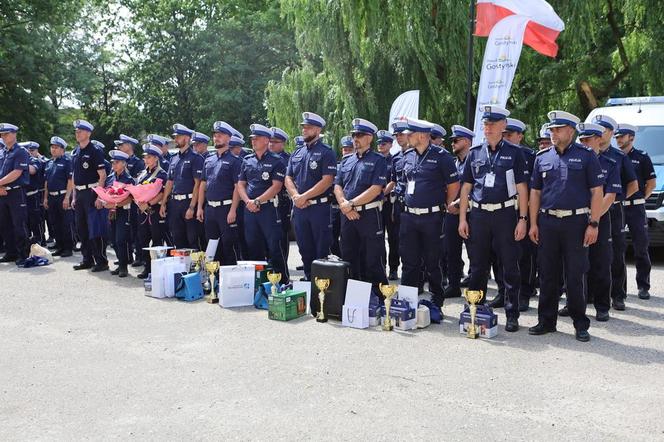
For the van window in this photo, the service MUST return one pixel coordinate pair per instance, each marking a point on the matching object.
(651, 140)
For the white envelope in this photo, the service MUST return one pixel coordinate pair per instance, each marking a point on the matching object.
(355, 311)
(236, 286)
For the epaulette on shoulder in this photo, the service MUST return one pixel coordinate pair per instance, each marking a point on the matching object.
(618, 150)
(541, 151)
(611, 160)
(410, 149)
(476, 146)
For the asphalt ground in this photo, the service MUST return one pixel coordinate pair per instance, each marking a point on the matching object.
(89, 357)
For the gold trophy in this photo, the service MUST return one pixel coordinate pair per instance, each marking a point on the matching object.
(198, 259)
(212, 268)
(388, 290)
(274, 278)
(322, 284)
(473, 297)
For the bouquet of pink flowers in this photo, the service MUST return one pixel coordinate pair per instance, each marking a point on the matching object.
(144, 193)
(114, 194)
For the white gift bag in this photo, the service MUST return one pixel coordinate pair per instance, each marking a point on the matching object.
(158, 283)
(236, 285)
(176, 264)
(355, 311)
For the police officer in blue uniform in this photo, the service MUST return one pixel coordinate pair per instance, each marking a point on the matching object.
(184, 176)
(528, 262)
(34, 193)
(309, 179)
(261, 179)
(277, 145)
(162, 144)
(119, 215)
(152, 227)
(335, 213)
(438, 134)
(100, 146)
(58, 190)
(544, 137)
(135, 167)
(432, 183)
(218, 197)
(384, 142)
(359, 192)
(630, 185)
(635, 209)
(599, 254)
(566, 188)
(14, 177)
(462, 140)
(397, 184)
(492, 177)
(89, 171)
(200, 143)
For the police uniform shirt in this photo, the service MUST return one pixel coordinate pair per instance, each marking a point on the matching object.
(221, 173)
(528, 161)
(481, 163)
(36, 181)
(85, 164)
(396, 174)
(124, 178)
(627, 173)
(565, 179)
(135, 166)
(611, 174)
(358, 173)
(309, 164)
(16, 158)
(427, 176)
(259, 173)
(184, 168)
(644, 171)
(58, 172)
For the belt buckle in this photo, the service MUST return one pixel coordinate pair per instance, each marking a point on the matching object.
(558, 213)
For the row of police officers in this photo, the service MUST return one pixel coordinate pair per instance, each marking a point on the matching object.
(561, 212)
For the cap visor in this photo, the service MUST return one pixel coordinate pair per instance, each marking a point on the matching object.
(557, 125)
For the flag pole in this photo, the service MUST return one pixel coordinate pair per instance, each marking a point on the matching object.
(469, 71)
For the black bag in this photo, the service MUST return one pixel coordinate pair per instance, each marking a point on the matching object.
(337, 272)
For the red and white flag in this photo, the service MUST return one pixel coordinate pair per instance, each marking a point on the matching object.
(542, 30)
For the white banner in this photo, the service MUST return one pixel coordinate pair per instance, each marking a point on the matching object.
(405, 106)
(501, 57)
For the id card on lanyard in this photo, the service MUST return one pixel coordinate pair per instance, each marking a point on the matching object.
(410, 186)
(490, 178)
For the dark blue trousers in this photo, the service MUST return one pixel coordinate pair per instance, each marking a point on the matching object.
(121, 233)
(13, 223)
(528, 267)
(152, 230)
(599, 272)
(62, 221)
(183, 231)
(363, 246)
(262, 229)
(619, 243)
(285, 212)
(561, 244)
(391, 221)
(335, 217)
(635, 218)
(454, 250)
(495, 231)
(35, 218)
(313, 233)
(420, 237)
(217, 227)
(92, 249)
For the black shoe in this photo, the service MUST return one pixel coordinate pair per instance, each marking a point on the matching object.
(582, 335)
(57, 252)
(524, 304)
(541, 329)
(20, 262)
(644, 294)
(299, 268)
(618, 304)
(465, 281)
(99, 268)
(122, 272)
(602, 316)
(138, 264)
(83, 266)
(393, 276)
(77, 249)
(9, 258)
(66, 254)
(512, 325)
(116, 263)
(114, 272)
(438, 300)
(563, 311)
(142, 275)
(304, 278)
(497, 302)
(53, 247)
(452, 292)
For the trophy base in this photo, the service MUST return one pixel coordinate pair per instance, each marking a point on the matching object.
(472, 334)
(388, 327)
(211, 300)
(321, 319)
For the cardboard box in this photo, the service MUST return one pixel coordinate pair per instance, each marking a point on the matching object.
(485, 320)
(287, 305)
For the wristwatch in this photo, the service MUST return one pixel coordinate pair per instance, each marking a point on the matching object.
(257, 201)
(523, 217)
(592, 223)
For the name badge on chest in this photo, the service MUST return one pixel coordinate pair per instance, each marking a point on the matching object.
(410, 187)
(489, 179)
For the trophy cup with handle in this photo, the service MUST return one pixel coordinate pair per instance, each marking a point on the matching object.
(322, 284)
(388, 291)
(473, 297)
(197, 260)
(274, 279)
(212, 268)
